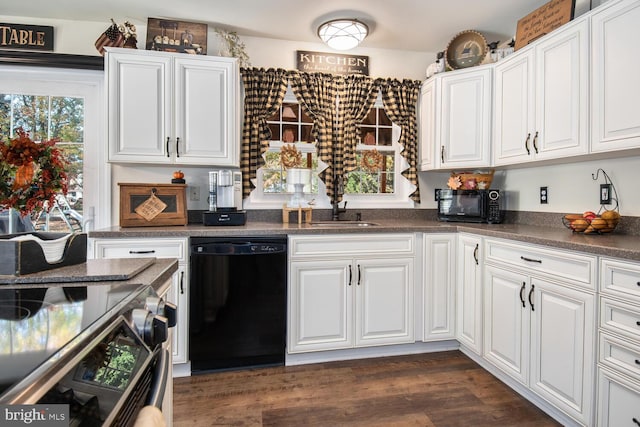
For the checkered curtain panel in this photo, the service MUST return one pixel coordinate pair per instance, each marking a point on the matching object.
(400, 99)
(357, 96)
(264, 91)
(317, 94)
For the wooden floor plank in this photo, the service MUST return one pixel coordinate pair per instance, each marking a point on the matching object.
(432, 390)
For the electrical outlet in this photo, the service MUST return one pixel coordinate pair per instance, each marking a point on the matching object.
(544, 195)
(605, 194)
(194, 193)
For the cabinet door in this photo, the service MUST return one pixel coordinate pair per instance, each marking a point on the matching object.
(469, 292)
(439, 276)
(139, 107)
(618, 400)
(514, 109)
(562, 90)
(615, 85)
(506, 322)
(320, 305)
(178, 295)
(384, 301)
(465, 126)
(427, 124)
(206, 120)
(562, 347)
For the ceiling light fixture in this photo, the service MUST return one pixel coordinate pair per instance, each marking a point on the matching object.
(343, 34)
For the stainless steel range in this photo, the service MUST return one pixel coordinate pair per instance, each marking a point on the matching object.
(95, 348)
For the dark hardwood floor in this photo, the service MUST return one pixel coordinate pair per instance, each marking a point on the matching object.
(437, 389)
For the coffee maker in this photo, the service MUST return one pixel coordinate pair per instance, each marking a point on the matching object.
(225, 199)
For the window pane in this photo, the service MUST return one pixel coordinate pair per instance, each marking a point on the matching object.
(32, 114)
(370, 119)
(368, 135)
(384, 137)
(67, 119)
(5, 115)
(383, 119)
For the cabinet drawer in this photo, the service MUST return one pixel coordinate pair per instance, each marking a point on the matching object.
(618, 400)
(572, 266)
(620, 278)
(620, 355)
(620, 318)
(333, 245)
(139, 248)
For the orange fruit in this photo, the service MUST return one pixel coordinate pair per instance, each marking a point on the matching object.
(579, 224)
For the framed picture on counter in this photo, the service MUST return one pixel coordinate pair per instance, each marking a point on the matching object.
(176, 36)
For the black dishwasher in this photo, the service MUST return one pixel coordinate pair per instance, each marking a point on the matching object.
(238, 302)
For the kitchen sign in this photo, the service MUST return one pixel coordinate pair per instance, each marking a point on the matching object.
(543, 20)
(29, 37)
(331, 63)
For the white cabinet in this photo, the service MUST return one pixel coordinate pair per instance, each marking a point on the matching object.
(439, 286)
(469, 268)
(350, 291)
(542, 99)
(178, 293)
(619, 339)
(615, 90)
(523, 312)
(168, 108)
(463, 130)
(427, 124)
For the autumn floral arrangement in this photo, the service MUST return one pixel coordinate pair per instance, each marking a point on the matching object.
(33, 173)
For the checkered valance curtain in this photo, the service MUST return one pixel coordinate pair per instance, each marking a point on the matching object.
(357, 96)
(400, 99)
(334, 128)
(317, 94)
(264, 91)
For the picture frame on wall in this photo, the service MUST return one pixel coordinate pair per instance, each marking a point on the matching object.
(176, 36)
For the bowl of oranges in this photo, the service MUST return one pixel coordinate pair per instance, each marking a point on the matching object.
(590, 222)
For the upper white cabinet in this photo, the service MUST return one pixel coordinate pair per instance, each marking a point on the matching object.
(542, 99)
(427, 124)
(615, 91)
(455, 120)
(172, 108)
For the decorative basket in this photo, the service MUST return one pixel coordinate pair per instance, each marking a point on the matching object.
(598, 224)
(473, 180)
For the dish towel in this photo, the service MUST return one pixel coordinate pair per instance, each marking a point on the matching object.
(150, 416)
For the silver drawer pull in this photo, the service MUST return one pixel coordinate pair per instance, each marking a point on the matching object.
(152, 251)
(531, 260)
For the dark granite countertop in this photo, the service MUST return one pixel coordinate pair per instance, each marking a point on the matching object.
(613, 244)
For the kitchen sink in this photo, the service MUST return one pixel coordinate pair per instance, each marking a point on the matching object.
(343, 224)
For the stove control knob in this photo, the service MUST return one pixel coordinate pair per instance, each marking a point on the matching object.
(164, 308)
(153, 328)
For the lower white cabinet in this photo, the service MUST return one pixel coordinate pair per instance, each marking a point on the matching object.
(439, 286)
(347, 291)
(619, 339)
(178, 293)
(469, 267)
(541, 332)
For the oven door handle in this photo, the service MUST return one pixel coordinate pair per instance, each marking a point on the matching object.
(160, 375)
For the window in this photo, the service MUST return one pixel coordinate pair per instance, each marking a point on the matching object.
(363, 188)
(376, 136)
(64, 104)
(290, 125)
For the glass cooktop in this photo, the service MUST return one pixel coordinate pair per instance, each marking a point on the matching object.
(36, 323)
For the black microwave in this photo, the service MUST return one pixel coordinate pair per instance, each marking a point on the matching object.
(470, 206)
